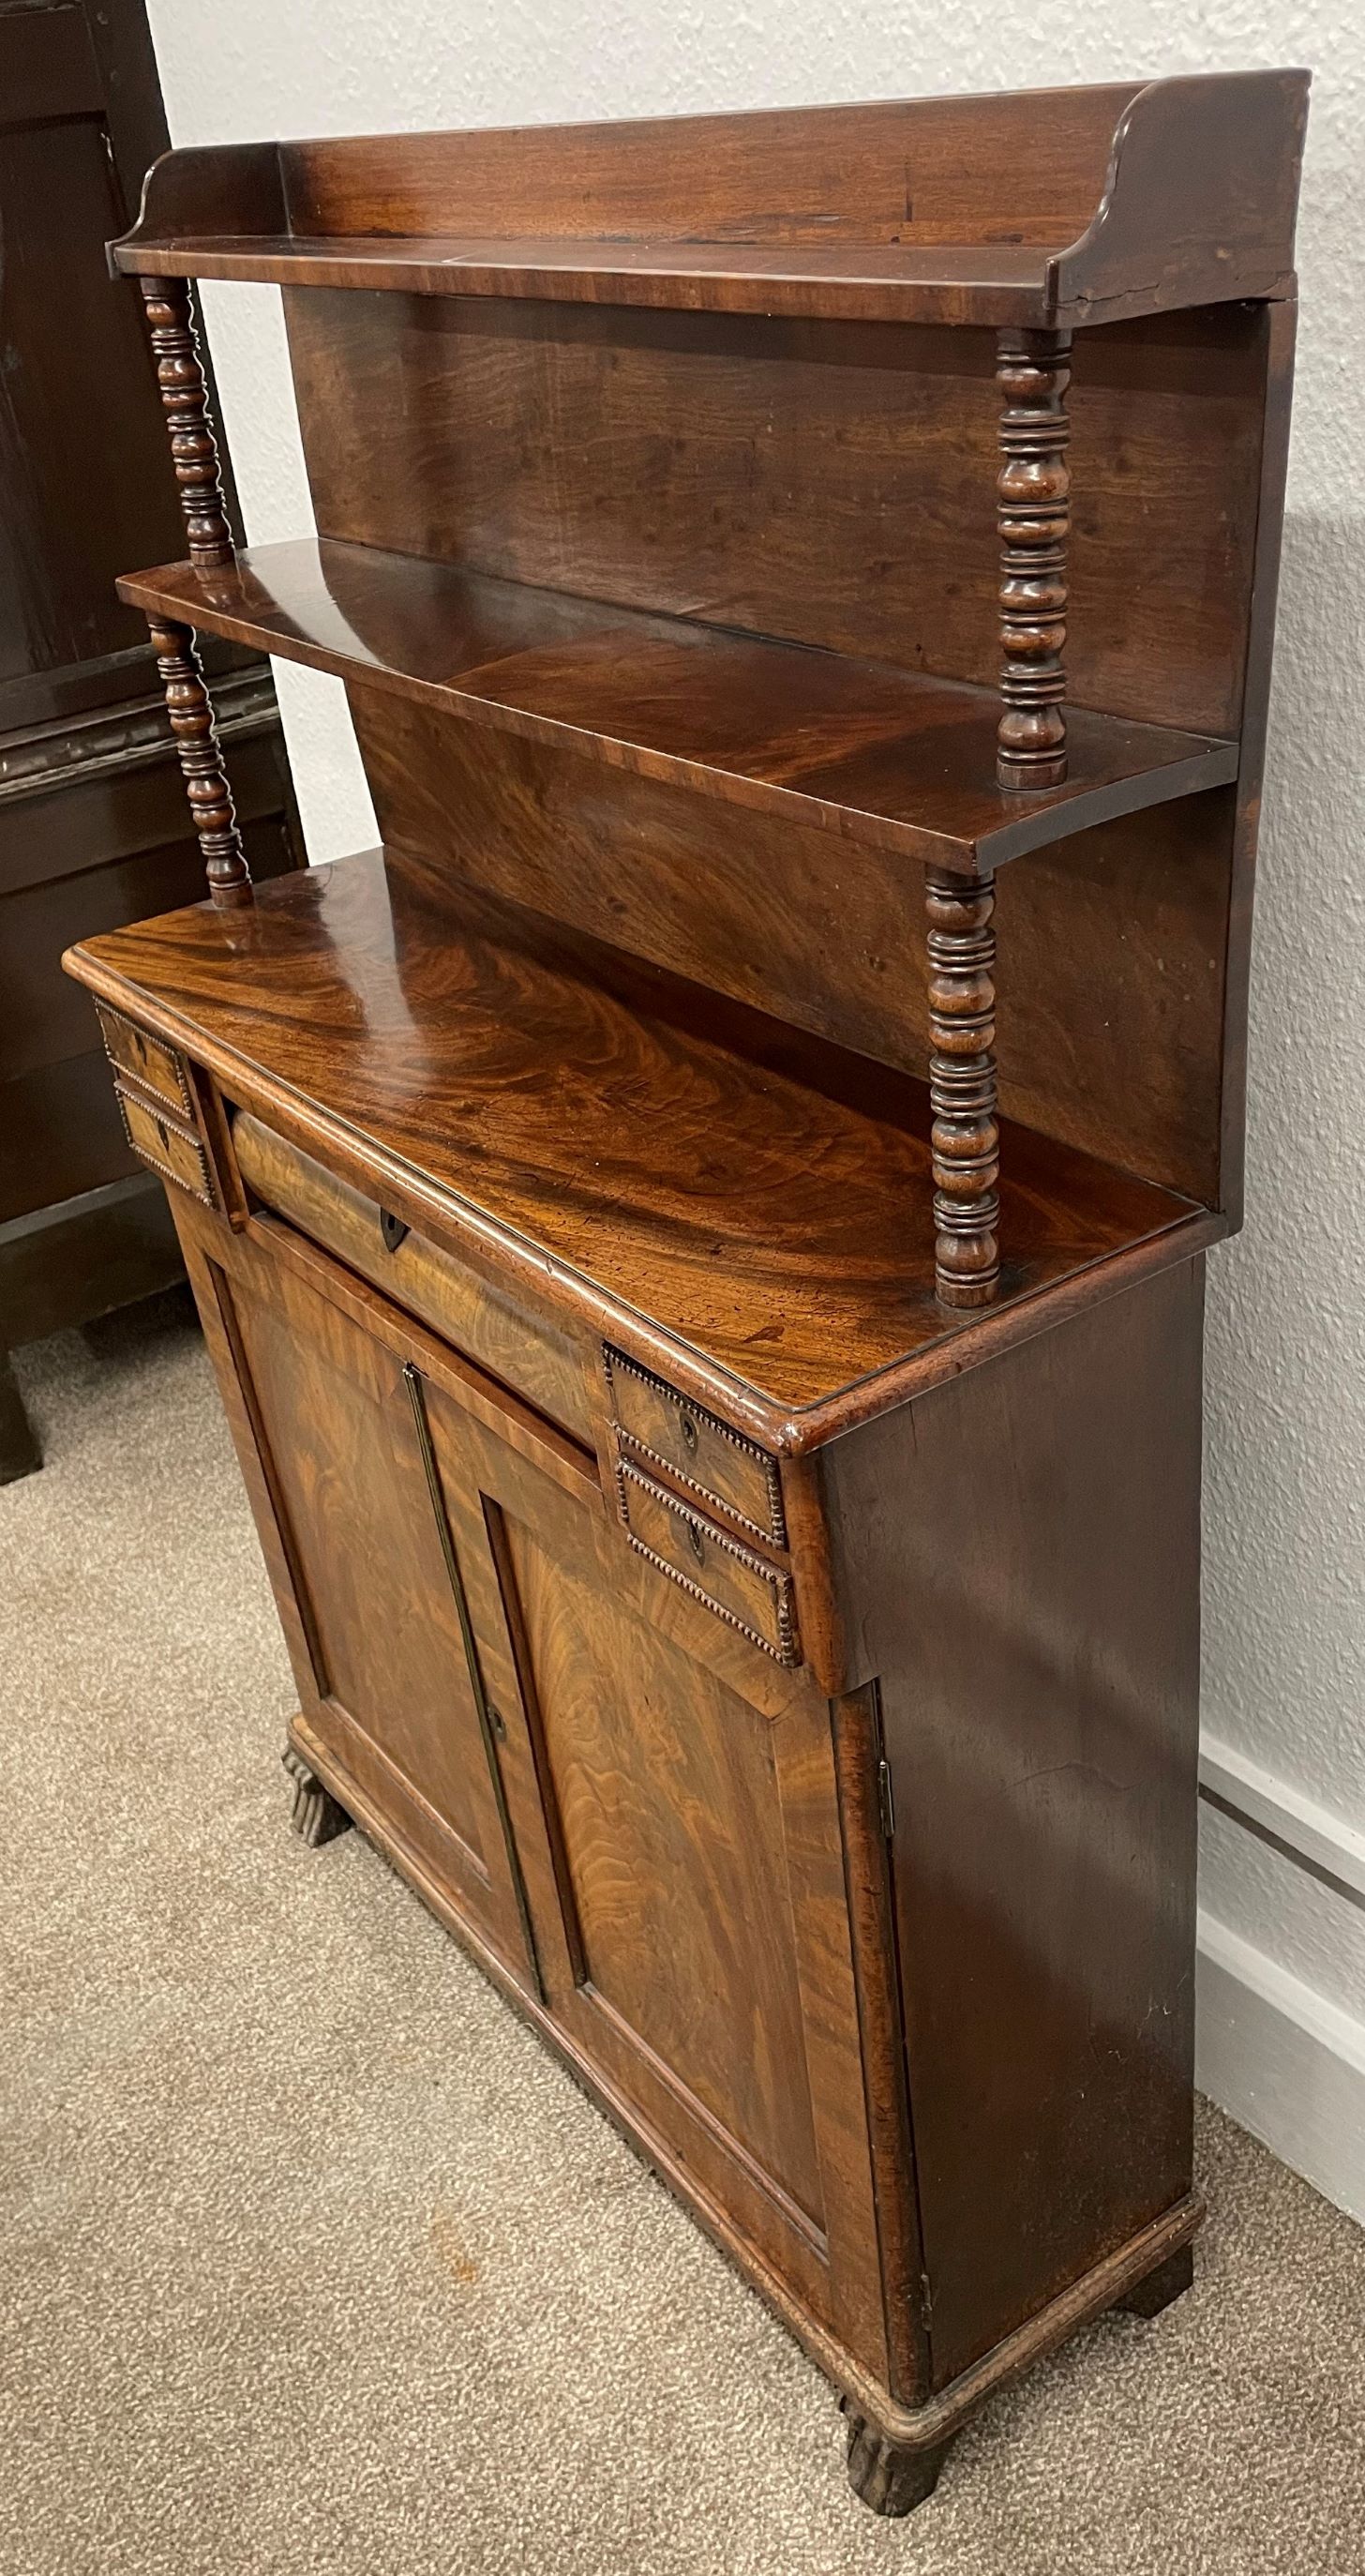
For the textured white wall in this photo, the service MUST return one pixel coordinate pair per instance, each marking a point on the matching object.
(1284, 1610)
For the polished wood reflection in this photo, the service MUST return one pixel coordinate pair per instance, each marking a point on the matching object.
(783, 1678)
(872, 753)
(773, 1206)
(1023, 209)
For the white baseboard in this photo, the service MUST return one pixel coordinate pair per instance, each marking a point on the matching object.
(1300, 1825)
(1284, 2062)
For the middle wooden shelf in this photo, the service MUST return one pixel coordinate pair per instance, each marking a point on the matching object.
(896, 759)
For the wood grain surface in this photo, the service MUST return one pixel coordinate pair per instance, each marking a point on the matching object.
(1110, 947)
(786, 1686)
(833, 485)
(759, 1197)
(325, 1411)
(1182, 191)
(867, 752)
(471, 1309)
(1018, 1556)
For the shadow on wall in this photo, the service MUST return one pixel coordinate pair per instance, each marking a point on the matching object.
(1285, 1510)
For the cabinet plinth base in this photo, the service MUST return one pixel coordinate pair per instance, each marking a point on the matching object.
(883, 2476)
(1169, 2281)
(317, 1818)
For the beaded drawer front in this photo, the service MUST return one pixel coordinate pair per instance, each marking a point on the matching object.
(174, 1151)
(148, 1061)
(741, 1587)
(657, 1427)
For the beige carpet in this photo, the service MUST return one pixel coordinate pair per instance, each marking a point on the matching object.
(311, 2258)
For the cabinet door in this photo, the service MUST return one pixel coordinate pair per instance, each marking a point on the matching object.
(646, 1825)
(365, 1571)
(675, 1806)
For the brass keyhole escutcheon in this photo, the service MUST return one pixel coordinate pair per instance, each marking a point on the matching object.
(688, 1429)
(696, 1542)
(392, 1229)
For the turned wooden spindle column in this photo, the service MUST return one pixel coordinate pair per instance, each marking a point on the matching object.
(1034, 521)
(184, 399)
(201, 759)
(962, 1086)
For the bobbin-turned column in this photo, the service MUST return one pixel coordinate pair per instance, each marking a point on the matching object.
(964, 1137)
(194, 455)
(201, 759)
(184, 399)
(1034, 520)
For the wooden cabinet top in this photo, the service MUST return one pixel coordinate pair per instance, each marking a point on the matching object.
(748, 1208)
(1042, 209)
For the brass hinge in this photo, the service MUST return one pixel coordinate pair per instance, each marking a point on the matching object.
(886, 1798)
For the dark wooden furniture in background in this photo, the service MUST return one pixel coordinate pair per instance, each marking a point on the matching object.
(734, 1507)
(92, 817)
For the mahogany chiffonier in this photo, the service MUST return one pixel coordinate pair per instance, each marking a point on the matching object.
(723, 1419)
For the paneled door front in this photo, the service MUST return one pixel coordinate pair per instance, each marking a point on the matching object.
(332, 1437)
(673, 1796)
(630, 1808)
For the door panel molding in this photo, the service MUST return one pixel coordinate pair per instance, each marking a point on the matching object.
(412, 1380)
(774, 2134)
(428, 1765)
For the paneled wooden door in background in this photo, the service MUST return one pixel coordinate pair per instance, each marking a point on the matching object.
(93, 826)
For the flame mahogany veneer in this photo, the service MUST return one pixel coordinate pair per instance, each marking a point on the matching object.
(805, 589)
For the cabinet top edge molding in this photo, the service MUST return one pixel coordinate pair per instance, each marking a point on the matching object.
(1042, 209)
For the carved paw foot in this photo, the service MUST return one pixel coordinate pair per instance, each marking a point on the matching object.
(1147, 2298)
(884, 2477)
(317, 1818)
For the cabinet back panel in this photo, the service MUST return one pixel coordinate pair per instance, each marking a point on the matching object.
(1111, 947)
(833, 484)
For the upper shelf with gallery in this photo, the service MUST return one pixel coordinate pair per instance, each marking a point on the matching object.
(718, 514)
(1038, 209)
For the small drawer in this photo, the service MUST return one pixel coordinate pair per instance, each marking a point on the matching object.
(173, 1153)
(149, 1060)
(487, 1323)
(753, 1596)
(663, 1429)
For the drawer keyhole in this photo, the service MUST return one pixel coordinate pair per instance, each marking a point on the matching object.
(688, 1429)
(696, 1542)
(392, 1228)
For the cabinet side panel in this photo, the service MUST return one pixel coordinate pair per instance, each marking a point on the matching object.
(1020, 1550)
